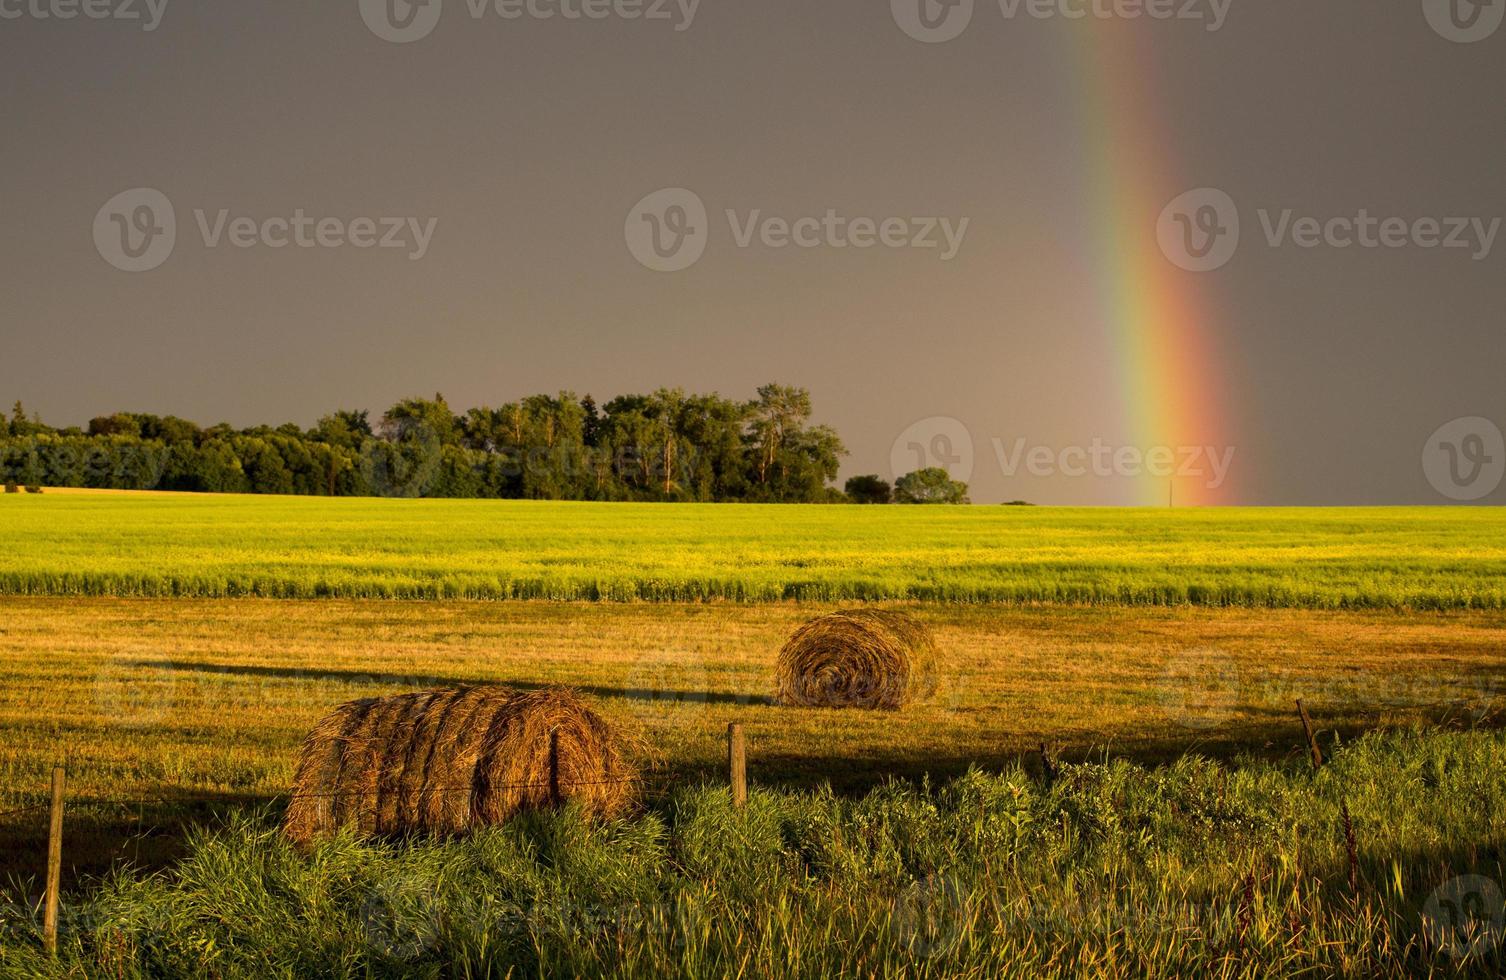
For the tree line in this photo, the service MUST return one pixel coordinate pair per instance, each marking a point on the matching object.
(665, 446)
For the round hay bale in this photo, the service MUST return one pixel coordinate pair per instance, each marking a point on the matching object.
(446, 762)
(862, 658)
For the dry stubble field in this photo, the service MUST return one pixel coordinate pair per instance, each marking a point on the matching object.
(202, 702)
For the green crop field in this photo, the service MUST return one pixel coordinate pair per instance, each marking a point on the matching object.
(208, 546)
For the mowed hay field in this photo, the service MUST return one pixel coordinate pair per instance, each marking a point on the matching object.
(224, 546)
(205, 701)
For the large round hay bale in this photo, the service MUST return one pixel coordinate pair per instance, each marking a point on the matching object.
(863, 658)
(445, 762)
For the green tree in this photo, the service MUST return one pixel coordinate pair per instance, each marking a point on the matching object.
(932, 485)
(789, 462)
(421, 418)
(777, 413)
(119, 424)
(168, 429)
(346, 429)
(869, 489)
(264, 466)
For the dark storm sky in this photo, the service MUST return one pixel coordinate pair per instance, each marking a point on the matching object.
(528, 141)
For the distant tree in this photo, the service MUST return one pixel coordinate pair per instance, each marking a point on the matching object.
(421, 419)
(168, 428)
(591, 423)
(778, 412)
(869, 489)
(20, 425)
(119, 424)
(264, 466)
(712, 461)
(346, 429)
(932, 485)
(667, 445)
(788, 462)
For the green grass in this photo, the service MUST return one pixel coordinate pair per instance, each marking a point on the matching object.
(207, 546)
(1101, 869)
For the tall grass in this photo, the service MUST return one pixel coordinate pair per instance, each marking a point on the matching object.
(307, 548)
(1193, 869)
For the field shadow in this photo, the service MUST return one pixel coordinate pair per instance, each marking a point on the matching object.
(425, 682)
(1274, 739)
(103, 836)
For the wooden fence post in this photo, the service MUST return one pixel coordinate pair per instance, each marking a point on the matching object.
(1312, 741)
(54, 863)
(737, 764)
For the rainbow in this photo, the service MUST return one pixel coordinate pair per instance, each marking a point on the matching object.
(1170, 381)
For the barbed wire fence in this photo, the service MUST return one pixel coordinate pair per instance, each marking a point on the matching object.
(1081, 742)
(658, 785)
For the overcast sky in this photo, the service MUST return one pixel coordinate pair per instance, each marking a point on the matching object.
(513, 153)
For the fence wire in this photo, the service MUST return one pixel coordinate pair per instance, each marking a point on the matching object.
(1097, 741)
